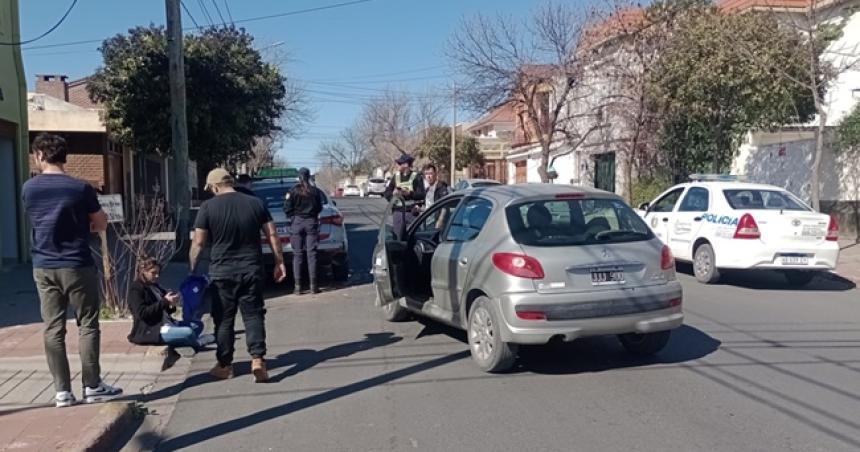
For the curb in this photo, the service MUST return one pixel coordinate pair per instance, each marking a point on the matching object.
(103, 430)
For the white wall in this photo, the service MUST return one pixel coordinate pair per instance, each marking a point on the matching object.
(785, 160)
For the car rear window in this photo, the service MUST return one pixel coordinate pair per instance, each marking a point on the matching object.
(377, 181)
(753, 199)
(572, 222)
(273, 196)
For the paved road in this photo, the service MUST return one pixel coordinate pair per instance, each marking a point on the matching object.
(755, 368)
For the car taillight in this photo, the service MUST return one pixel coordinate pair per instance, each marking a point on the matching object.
(531, 315)
(336, 220)
(518, 265)
(747, 228)
(667, 260)
(833, 230)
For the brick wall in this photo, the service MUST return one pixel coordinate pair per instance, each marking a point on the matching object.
(79, 96)
(52, 85)
(89, 168)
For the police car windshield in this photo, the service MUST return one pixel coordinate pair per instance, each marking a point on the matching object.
(575, 222)
(752, 199)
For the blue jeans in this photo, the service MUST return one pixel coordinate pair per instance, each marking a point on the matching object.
(182, 334)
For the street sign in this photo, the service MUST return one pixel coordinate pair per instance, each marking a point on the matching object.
(112, 205)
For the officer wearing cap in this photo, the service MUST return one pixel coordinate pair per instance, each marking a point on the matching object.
(303, 207)
(409, 186)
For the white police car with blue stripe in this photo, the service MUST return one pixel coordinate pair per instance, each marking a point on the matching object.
(721, 223)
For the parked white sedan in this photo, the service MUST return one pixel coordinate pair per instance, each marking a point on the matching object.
(352, 190)
(719, 223)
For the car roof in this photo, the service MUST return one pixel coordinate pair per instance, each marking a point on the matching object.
(504, 194)
(717, 185)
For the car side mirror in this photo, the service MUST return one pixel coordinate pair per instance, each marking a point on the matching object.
(644, 206)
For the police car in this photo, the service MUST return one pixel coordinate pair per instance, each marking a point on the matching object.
(721, 223)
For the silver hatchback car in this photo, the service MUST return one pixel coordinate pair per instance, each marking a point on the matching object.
(530, 264)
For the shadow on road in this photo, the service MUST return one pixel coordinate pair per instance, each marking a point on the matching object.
(592, 354)
(233, 425)
(772, 280)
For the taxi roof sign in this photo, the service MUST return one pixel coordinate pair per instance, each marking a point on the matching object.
(717, 177)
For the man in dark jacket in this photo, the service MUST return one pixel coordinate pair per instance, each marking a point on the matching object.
(434, 189)
(408, 186)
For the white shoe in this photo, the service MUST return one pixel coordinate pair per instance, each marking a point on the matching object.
(64, 399)
(101, 393)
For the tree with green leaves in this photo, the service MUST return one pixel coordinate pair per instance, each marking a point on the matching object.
(711, 94)
(848, 132)
(827, 55)
(234, 97)
(436, 147)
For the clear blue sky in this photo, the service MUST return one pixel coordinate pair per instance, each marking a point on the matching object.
(372, 45)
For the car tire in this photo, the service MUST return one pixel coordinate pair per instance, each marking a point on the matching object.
(488, 350)
(798, 278)
(705, 265)
(393, 312)
(645, 344)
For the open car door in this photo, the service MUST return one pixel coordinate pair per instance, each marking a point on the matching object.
(387, 257)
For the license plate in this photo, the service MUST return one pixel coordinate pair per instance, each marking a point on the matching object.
(603, 278)
(282, 229)
(794, 260)
(812, 231)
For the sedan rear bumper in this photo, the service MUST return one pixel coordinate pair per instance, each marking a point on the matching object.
(575, 315)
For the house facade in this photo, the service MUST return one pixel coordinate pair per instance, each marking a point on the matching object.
(784, 157)
(13, 138)
(63, 107)
(495, 134)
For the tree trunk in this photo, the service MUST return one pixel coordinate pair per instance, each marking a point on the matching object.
(815, 189)
(544, 162)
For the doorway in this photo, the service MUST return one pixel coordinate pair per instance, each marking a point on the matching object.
(8, 202)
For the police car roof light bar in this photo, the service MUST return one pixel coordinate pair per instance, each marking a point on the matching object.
(717, 177)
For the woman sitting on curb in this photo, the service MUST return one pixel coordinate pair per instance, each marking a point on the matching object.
(151, 306)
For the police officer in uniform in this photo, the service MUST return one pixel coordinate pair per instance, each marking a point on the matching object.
(408, 185)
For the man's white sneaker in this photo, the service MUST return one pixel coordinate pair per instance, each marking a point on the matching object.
(64, 399)
(101, 393)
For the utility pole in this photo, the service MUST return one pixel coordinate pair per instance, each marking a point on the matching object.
(181, 192)
(454, 140)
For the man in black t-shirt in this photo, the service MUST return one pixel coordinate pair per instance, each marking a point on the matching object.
(230, 223)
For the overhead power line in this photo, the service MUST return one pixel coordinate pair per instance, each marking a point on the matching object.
(50, 30)
(218, 10)
(205, 11)
(190, 16)
(250, 19)
(229, 14)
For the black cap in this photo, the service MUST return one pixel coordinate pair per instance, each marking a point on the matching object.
(404, 158)
(304, 173)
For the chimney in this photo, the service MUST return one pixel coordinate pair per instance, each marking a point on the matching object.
(53, 85)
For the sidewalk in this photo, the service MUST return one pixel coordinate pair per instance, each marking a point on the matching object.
(849, 261)
(28, 419)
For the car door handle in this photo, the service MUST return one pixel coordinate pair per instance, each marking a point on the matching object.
(665, 219)
(697, 219)
(464, 261)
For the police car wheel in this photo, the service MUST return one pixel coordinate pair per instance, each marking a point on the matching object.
(704, 265)
(798, 278)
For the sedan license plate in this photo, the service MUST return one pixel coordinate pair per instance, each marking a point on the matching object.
(605, 278)
(282, 230)
(794, 260)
